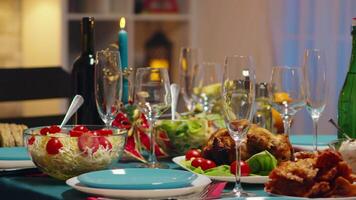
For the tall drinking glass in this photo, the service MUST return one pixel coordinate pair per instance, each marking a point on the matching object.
(207, 85)
(316, 87)
(189, 61)
(153, 98)
(238, 94)
(287, 91)
(108, 85)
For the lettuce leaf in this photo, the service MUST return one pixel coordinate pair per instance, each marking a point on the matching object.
(262, 163)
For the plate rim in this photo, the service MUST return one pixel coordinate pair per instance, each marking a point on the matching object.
(190, 177)
(9, 164)
(197, 185)
(244, 179)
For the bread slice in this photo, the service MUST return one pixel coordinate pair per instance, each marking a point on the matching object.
(17, 134)
(6, 136)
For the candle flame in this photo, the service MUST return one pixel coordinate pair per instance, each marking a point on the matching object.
(122, 22)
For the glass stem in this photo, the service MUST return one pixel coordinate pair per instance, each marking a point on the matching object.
(286, 124)
(152, 157)
(238, 188)
(315, 141)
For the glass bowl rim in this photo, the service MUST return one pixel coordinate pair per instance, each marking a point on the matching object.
(120, 132)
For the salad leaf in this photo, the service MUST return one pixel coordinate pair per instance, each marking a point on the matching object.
(262, 163)
(185, 134)
(222, 170)
(217, 119)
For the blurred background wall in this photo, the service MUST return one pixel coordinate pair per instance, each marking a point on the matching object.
(275, 32)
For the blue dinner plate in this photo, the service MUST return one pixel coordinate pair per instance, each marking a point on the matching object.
(14, 153)
(307, 140)
(138, 179)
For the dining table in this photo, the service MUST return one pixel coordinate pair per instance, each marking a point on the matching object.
(31, 183)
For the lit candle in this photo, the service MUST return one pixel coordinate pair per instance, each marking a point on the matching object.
(124, 58)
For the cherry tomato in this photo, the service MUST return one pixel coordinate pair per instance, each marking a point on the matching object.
(80, 128)
(103, 132)
(44, 131)
(197, 162)
(31, 140)
(245, 169)
(207, 164)
(53, 146)
(88, 142)
(54, 129)
(192, 153)
(74, 133)
(105, 143)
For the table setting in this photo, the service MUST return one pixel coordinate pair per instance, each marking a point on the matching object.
(233, 140)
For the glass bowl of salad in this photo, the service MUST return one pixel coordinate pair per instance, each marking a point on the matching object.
(182, 134)
(72, 150)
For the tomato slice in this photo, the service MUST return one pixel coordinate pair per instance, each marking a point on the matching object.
(74, 133)
(104, 132)
(80, 128)
(53, 146)
(88, 142)
(31, 140)
(54, 129)
(44, 131)
(105, 143)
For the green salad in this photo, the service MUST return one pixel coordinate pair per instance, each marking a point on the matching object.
(185, 134)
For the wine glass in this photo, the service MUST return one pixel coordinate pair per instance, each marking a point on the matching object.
(316, 87)
(153, 98)
(189, 60)
(108, 85)
(287, 92)
(207, 85)
(238, 94)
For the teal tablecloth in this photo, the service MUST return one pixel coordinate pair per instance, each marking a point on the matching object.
(19, 186)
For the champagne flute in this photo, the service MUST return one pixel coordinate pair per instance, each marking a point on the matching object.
(238, 94)
(316, 87)
(287, 92)
(207, 85)
(153, 98)
(108, 85)
(189, 60)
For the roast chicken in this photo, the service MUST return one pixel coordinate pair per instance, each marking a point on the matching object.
(221, 147)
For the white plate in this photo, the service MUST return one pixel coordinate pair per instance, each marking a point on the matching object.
(292, 197)
(197, 186)
(10, 164)
(244, 179)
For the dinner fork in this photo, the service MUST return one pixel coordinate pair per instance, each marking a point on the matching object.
(203, 195)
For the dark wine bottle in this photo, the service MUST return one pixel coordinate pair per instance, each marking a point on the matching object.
(347, 98)
(83, 76)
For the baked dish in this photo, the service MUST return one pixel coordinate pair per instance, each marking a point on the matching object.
(322, 174)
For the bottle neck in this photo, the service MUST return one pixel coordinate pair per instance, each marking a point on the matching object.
(352, 67)
(88, 36)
